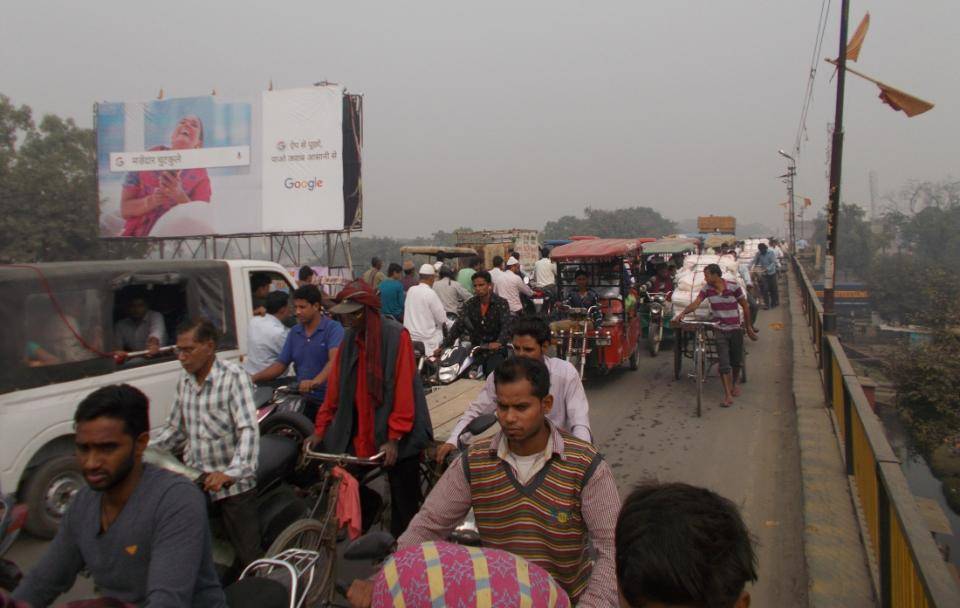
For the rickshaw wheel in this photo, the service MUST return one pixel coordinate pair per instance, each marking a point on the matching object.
(677, 355)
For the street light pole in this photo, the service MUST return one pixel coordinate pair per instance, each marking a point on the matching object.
(836, 164)
(791, 224)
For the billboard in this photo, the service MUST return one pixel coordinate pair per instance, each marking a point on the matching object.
(211, 166)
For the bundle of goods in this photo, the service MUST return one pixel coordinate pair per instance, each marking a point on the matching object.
(689, 281)
(699, 262)
(750, 249)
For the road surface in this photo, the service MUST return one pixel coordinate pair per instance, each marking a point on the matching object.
(644, 422)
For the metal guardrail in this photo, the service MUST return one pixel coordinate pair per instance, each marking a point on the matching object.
(912, 571)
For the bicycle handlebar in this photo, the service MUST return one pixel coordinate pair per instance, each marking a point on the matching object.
(713, 324)
(375, 460)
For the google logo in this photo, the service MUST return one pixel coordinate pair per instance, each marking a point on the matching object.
(302, 184)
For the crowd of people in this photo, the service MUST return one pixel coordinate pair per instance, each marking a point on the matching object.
(542, 494)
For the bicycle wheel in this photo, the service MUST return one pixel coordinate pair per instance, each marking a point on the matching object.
(699, 366)
(312, 535)
(678, 354)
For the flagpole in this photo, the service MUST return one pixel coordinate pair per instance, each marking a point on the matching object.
(836, 164)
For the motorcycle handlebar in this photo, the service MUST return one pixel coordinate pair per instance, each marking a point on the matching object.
(577, 311)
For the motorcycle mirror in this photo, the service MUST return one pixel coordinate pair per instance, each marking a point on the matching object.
(480, 424)
(371, 546)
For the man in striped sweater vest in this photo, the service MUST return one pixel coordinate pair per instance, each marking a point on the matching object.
(536, 491)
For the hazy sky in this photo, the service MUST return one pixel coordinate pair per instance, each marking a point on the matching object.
(500, 114)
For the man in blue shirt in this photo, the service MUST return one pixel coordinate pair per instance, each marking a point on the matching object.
(311, 345)
(392, 295)
(767, 261)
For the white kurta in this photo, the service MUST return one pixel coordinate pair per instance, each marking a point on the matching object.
(424, 316)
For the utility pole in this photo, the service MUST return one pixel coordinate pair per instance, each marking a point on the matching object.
(836, 164)
(791, 209)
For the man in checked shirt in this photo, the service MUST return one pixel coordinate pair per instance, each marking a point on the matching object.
(214, 424)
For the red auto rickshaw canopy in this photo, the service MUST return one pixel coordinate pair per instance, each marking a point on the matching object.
(597, 249)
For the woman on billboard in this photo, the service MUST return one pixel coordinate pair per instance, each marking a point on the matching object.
(147, 195)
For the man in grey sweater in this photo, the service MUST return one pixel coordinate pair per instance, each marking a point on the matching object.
(142, 532)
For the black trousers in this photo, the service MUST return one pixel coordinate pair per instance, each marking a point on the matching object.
(405, 495)
(771, 290)
(492, 360)
(242, 525)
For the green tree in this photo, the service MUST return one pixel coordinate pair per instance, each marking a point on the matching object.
(617, 223)
(928, 390)
(48, 189)
(856, 245)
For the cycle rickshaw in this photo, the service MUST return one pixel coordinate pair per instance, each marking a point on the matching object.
(694, 336)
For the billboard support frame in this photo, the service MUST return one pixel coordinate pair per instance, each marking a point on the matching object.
(285, 248)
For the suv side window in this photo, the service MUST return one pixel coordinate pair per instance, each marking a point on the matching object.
(66, 331)
(145, 316)
(262, 282)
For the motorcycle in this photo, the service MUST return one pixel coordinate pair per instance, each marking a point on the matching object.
(12, 519)
(278, 505)
(462, 360)
(543, 303)
(284, 412)
(426, 366)
(656, 304)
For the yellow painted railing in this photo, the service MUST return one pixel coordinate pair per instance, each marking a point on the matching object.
(912, 571)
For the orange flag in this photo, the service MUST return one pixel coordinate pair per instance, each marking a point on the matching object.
(895, 98)
(856, 42)
(898, 100)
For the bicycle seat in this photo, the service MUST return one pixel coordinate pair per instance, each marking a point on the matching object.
(278, 456)
(257, 592)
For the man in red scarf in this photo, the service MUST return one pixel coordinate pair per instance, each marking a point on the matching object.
(374, 399)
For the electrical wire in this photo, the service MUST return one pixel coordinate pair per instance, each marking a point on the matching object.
(822, 21)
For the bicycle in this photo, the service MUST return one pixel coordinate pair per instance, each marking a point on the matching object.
(703, 355)
(319, 530)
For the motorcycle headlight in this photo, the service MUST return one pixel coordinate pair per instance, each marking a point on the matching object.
(449, 373)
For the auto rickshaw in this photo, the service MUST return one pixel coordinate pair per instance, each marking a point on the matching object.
(653, 305)
(606, 336)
